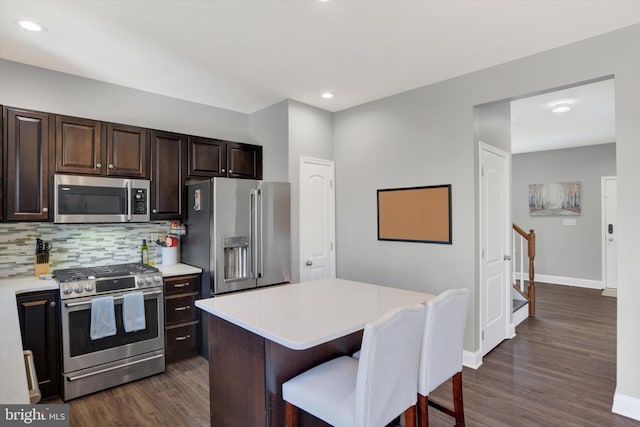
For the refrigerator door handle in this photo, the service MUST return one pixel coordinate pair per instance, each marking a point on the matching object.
(259, 234)
(253, 231)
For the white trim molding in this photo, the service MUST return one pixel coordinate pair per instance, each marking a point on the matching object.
(569, 281)
(472, 359)
(627, 406)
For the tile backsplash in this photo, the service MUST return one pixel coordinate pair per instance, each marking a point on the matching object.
(76, 245)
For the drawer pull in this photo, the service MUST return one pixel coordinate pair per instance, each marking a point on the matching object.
(183, 308)
(181, 285)
(186, 337)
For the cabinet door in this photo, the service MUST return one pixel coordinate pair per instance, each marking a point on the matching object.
(27, 153)
(127, 151)
(244, 160)
(39, 320)
(167, 175)
(79, 146)
(207, 157)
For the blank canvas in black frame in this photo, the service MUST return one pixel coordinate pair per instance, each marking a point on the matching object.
(415, 214)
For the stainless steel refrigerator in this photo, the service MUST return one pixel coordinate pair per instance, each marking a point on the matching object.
(238, 232)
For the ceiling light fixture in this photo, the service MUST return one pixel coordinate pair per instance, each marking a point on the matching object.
(32, 26)
(327, 95)
(561, 105)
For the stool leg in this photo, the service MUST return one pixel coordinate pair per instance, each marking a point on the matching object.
(410, 417)
(458, 407)
(291, 415)
(423, 411)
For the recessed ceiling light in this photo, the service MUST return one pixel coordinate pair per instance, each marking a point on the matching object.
(327, 95)
(561, 106)
(32, 26)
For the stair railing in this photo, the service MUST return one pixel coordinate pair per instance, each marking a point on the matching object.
(529, 291)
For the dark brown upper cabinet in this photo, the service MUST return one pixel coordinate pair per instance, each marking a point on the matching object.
(26, 152)
(244, 161)
(207, 157)
(79, 146)
(127, 151)
(91, 147)
(167, 175)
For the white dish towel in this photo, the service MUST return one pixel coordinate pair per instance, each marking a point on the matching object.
(133, 312)
(103, 318)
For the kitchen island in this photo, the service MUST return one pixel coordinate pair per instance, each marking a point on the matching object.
(259, 339)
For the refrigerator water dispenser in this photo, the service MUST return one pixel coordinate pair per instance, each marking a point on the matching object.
(236, 261)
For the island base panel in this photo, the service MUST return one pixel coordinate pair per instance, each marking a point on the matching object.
(247, 371)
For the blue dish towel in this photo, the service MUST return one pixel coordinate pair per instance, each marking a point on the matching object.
(133, 312)
(103, 318)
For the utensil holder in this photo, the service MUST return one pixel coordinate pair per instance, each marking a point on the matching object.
(170, 255)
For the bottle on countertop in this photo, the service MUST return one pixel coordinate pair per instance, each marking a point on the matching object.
(144, 250)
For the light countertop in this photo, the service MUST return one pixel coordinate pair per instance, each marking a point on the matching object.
(13, 378)
(303, 315)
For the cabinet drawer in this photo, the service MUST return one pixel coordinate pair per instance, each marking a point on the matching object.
(182, 342)
(182, 284)
(180, 309)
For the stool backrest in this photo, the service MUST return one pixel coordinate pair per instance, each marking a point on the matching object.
(442, 342)
(388, 368)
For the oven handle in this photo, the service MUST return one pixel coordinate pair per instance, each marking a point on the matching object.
(129, 200)
(76, 304)
(113, 368)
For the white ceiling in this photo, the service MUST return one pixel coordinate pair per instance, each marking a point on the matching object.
(245, 55)
(591, 120)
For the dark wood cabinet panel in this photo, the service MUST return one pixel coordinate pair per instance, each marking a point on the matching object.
(39, 324)
(244, 160)
(182, 318)
(207, 157)
(127, 151)
(79, 146)
(26, 153)
(167, 175)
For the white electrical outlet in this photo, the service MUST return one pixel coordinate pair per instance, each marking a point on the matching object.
(568, 221)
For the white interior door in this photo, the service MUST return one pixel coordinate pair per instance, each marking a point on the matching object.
(495, 232)
(609, 231)
(317, 219)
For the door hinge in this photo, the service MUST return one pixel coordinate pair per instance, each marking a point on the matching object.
(331, 245)
(330, 183)
(482, 171)
(483, 254)
(482, 335)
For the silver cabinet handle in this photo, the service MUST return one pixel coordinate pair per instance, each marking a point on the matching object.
(45, 210)
(154, 211)
(181, 285)
(222, 170)
(186, 337)
(98, 165)
(186, 307)
(230, 171)
(52, 304)
(110, 166)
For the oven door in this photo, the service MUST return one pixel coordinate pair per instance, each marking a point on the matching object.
(79, 351)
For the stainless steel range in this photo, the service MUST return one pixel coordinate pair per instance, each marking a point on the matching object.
(90, 365)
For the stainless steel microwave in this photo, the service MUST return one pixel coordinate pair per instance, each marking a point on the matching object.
(93, 199)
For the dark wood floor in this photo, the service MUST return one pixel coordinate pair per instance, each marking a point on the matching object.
(558, 371)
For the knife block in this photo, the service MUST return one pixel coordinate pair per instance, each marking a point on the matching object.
(42, 268)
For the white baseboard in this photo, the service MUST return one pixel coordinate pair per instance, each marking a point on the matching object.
(626, 405)
(569, 281)
(472, 360)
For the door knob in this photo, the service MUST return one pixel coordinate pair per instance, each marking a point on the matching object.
(611, 239)
(308, 263)
(507, 258)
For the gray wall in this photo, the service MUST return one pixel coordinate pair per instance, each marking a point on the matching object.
(426, 136)
(573, 251)
(493, 124)
(35, 88)
(269, 127)
(310, 135)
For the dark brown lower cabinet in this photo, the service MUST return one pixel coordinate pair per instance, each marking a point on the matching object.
(182, 318)
(39, 316)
